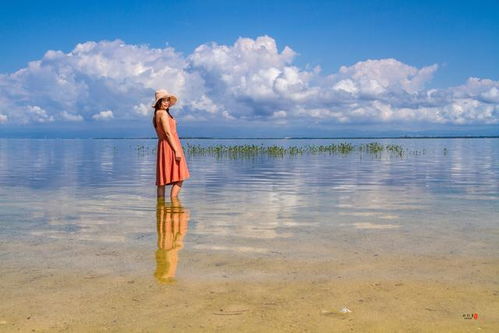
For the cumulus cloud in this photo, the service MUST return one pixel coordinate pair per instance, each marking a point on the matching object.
(249, 80)
(103, 115)
(37, 114)
(71, 117)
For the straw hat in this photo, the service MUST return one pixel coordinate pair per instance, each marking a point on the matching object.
(161, 93)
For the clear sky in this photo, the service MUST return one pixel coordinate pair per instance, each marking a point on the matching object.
(250, 68)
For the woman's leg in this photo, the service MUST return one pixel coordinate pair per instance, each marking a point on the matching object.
(161, 191)
(176, 187)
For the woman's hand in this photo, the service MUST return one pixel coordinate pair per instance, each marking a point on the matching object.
(178, 156)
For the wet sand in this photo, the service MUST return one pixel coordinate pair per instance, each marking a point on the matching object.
(220, 292)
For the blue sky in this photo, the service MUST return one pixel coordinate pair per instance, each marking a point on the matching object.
(429, 48)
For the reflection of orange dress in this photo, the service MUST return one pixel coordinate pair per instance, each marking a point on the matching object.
(168, 169)
(172, 222)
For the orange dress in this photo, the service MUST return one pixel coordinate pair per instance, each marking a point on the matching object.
(168, 169)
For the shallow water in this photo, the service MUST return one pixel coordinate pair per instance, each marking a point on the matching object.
(255, 243)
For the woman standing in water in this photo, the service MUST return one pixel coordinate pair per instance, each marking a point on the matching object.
(171, 166)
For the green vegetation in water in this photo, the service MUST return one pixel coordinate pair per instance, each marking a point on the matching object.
(241, 151)
(373, 149)
(141, 150)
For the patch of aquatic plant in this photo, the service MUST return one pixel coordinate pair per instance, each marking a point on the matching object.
(241, 151)
(143, 149)
(341, 148)
(238, 150)
(374, 149)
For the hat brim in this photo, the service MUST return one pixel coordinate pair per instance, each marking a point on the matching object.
(173, 100)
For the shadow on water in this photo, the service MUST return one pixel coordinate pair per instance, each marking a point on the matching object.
(172, 221)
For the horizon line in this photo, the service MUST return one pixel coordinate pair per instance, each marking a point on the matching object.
(275, 138)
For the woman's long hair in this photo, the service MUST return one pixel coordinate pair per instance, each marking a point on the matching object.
(156, 108)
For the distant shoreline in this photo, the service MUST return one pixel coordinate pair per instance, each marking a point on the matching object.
(283, 138)
(326, 138)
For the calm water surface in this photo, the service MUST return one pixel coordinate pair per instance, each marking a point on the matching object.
(103, 191)
(89, 205)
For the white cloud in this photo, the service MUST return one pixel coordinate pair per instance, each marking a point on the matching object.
(143, 109)
(279, 114)
(38, 115)
(71, 117)
(103, 115)
(204, 103)
(3, 118)
(346, 85)
(374, 77)
(249, 80)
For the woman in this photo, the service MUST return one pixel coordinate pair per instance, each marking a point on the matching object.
(171, 166)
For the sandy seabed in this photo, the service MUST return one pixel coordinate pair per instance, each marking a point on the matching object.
(228, 293)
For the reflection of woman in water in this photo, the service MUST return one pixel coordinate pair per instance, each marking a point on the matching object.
(172, 223)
